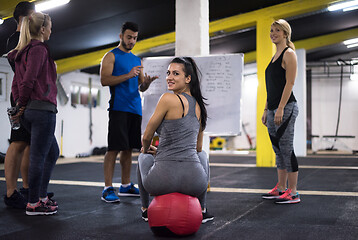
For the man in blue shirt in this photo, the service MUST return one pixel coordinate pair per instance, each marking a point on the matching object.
(122, 71)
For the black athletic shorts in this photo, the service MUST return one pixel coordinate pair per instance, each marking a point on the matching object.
(124, 131)
(20, 134)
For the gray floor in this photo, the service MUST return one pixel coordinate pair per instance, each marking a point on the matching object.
(329, 207)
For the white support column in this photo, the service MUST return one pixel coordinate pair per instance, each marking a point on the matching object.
(192, 27)
(299, 89)
(192, 34)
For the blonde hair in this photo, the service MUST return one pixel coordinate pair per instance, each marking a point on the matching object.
(31, 28)
(286, 28)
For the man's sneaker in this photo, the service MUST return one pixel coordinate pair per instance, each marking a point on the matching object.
(288, 197)
(40, 209)
(51, 203)
(16, 200)
(130, 191)
(109, 196)
(25, 192)
(145, 215)
(273, 194)
(207, 217)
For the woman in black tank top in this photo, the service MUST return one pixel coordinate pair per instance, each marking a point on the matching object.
(281, 111)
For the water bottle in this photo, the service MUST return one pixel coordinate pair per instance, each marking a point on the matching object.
(11, 112)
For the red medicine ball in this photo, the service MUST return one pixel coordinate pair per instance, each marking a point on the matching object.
(176, 212)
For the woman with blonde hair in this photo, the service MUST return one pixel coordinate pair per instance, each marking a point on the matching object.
(281, 112)
(34, 90)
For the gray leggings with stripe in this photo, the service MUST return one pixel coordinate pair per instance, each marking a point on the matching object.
(282, 137)
(163, 177)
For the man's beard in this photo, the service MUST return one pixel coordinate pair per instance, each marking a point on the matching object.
(125, 46)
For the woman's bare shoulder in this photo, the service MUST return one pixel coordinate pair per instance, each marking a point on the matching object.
(290, 53)
(167, 97)
(289, 56)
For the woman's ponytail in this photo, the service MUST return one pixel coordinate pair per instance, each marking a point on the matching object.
(290, 44)
(25, 35)
(31, 28)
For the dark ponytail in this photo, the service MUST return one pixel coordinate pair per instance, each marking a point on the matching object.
(190, 68)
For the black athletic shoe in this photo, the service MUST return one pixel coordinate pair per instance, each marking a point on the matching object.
(16, 200)
(25, 193)
(207, 217)
(145, 215)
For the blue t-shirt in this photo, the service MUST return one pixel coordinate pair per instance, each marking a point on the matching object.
(125, 96)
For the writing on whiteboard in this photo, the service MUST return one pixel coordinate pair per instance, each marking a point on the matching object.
(221, 78)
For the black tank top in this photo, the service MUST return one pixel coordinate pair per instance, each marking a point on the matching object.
(275, 76)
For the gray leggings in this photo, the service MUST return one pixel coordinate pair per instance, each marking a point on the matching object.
(282, 137)
(163, 177)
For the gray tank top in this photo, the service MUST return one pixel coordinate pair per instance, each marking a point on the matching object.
(178, 137)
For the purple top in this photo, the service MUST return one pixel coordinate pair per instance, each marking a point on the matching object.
(35, 74)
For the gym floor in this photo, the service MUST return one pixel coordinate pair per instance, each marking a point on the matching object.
(328, 186)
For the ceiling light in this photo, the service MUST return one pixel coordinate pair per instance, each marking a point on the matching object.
(50, 4)
(346, 6)
(350, 41)
(352, 45)
(350, 8)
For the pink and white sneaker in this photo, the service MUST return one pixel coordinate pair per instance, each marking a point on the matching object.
(40, 209)
(273, 194)
(51, 203)
(288, 197)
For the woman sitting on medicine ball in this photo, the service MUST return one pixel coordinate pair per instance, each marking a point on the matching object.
(179, 164)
